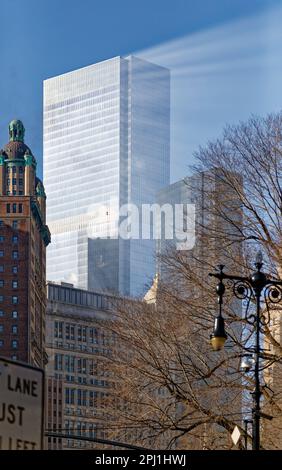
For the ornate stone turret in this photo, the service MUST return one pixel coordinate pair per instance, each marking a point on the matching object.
(16, 131)
(18, 175)
(152, 294)
(16, 148)
(17, 164)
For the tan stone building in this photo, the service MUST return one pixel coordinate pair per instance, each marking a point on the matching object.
(78, 375)
(23, 240)
(272, 378)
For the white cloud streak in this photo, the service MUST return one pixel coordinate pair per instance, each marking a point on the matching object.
(219, 76)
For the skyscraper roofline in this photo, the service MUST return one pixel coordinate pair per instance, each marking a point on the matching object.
(125, 57)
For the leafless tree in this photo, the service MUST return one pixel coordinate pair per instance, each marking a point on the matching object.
(170, 389)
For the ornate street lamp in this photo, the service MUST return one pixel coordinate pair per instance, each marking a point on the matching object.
(254, 289)
(218, 336)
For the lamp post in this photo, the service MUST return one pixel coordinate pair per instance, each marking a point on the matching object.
(246, 422)
(255, 289)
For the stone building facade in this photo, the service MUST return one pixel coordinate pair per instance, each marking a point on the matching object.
(78, 375)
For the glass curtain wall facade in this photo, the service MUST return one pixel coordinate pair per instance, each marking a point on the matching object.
(106, 143)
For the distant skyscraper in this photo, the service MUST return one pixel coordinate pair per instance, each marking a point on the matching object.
(23, 240)
(106, 143)
(213, 233)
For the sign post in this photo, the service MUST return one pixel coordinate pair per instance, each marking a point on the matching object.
(236, 435)
(21, 406)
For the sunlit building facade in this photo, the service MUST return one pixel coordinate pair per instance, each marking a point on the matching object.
(79, 345)
(106, 144)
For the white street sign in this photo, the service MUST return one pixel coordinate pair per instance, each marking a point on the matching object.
(21, 406)
(235, 436)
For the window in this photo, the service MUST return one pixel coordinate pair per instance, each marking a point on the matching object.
(1, 223)
(69, 396)
(8, 194)
(21, 169)
(15, 254)
(1, 253)
(83, 428)
(14, 357)
(72, 361)
(1, 298)
(79, 333)
(1, 343)
(72, 332)
(8, 207)
(14, 181)
(1, 313)
(1, 328)
(58, 329)
(15, 344)
(15, 224)
(14, 284)
(1, 268)
(14, 269)
(15, 299)
(14, 192)
(93, 368)
(2, 238)
(15, 239)
(84, 334)
(20, 192)
(20, 181)
(67, 425)
(14, 208)
(8, 181)
(79, 393)
(58, 361)
(92, 431)
(20, 208)
(14, 314)
(93, 332)
(1, 283)
(81, 366)
(84, 398)
(67, 362)
(93, 397)
(14, 169)
(14, 329)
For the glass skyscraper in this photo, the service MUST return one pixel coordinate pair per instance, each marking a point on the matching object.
(106, 143)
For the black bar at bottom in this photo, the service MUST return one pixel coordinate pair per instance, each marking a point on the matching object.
(192, 460)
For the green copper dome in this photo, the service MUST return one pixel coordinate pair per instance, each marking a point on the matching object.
(16, 131)
(16, 148)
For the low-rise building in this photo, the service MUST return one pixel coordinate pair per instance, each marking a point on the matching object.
(78, 345)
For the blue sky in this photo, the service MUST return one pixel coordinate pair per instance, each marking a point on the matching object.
(224, 56)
